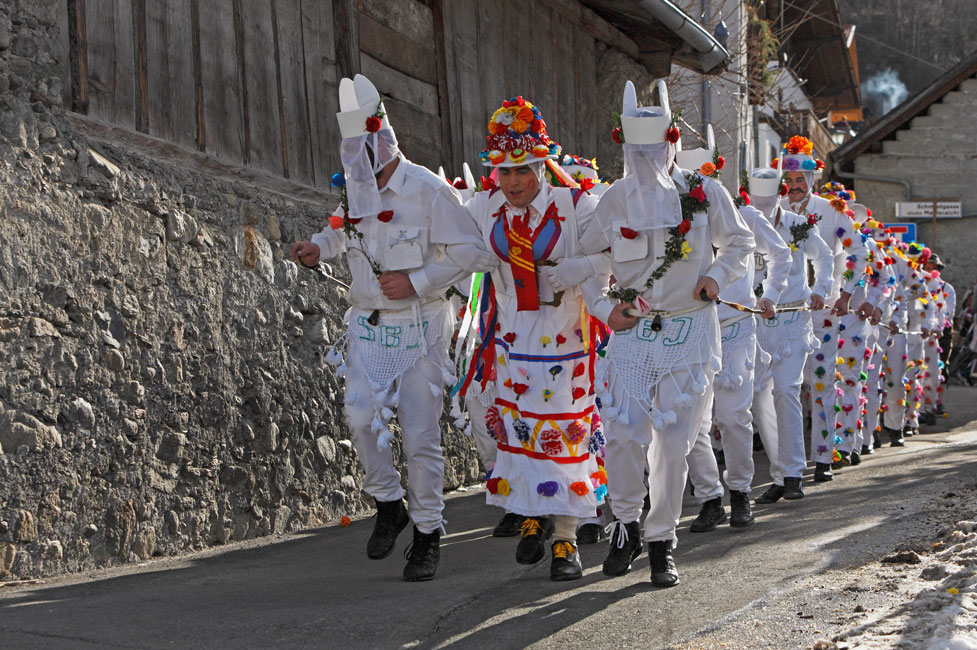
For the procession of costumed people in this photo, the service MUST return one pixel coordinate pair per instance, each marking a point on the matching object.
(607, 344)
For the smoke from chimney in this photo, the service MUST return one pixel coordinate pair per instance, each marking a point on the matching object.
(883, 91)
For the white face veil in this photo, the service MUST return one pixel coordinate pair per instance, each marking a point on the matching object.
(653, 200)
(765, 204)
(361, 182)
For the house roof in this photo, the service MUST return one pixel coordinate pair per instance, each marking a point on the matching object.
(820, 50)
(899, 117)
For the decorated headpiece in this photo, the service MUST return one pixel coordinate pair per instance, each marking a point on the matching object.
(368, 143)
(517, 136)
(693, 159)
(579, 168)
(836, 189)
(765, 184)
(799, 156)
(647, 125)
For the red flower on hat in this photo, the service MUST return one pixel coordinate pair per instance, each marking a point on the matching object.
(460, 185)
(488, 183)
(720, 162)
(697, 193)
(617, 135)
(628, 233)
(783, 189)
(386, 216)
(537, 126)
(587, 184)
(673, 134)
(373, 124)
(819, 163)
(684, 226)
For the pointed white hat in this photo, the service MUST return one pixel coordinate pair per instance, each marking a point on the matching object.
(358, 102)
(767, 184)
(648, 129)
(693, 159)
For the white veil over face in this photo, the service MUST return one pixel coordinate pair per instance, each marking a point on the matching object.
(359, 101)
(361, 182)
(652, 198)
(765, 201)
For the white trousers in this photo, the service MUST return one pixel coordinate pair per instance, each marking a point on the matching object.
(914, 349)
(822, 367)
(895, 372)
(419, 416)
(485, 445)
(873, 387)
(852, 351)
(931, 378)
(777, 412)
(729, 409)
(667, 448)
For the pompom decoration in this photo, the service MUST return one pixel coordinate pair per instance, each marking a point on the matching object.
(547, 489)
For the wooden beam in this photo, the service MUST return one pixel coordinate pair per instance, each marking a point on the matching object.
(278, 86)
(347, 37)
(79, 55)
(198, 83)
(444, 102)
(142, 66)
(594, 25)
(242, 63)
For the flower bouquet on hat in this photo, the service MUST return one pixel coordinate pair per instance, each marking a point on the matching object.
(517, 136)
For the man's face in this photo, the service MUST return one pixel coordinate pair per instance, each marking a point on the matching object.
(796, 186)
(929, 266)
(519, 184)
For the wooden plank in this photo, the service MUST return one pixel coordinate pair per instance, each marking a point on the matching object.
(543, 89)
(346, 21)
(295, 102)
(323, 102)
(142, 67)
(198, 87)
(264, 132)
(444, 99)
(169, 58)
(63, 51)
(566, 94)
(491, 64)
(392, 83)
(410, 18)
(594, 25)
(223, 103)
(111, 54)
(418, 133)
(588, 104)
(78, 36)
(465, 37)
(396, 51)
(454, 119)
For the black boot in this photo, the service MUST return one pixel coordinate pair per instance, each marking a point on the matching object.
(391, 519)
(822, 473)
(532, 547)
(720, 457)
(508, 526)
(844, 460)
(740, 513)
(663, 571)
(757, 442)
(792, 488)
(423, 555)
(566, 562)
(625, 546)
(589, 534)
(772, 495)
(867, 449)
(895, 438)
(909, 431)
(876, 440)
(856, 458)
(711, 515)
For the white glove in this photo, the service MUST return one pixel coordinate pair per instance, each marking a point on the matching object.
(482, 262)
(568, 272)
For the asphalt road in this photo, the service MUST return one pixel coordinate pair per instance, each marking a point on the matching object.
(317, 589)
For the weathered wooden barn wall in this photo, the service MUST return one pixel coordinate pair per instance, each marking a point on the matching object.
(253, 82)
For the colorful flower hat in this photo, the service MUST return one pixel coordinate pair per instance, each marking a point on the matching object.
(648, 129)
(836, 189)
(517, 136)
(579, 168)
(767, 186)
(692, 159)
(800, 156)
(360, 109)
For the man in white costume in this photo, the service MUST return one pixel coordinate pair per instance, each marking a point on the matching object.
(407, 238)
(837, 230)
(786, 340)
(660, 225)
(732, 389)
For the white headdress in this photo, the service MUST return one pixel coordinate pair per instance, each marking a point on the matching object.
(366, 131)
(693, 159)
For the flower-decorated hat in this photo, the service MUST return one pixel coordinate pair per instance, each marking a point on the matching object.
(648, 128)
(517, 136)
(580, 168)
(799, 156)
(360, 109)
(692, 159)
(836, 189)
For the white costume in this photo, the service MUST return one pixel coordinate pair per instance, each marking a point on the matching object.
(654, 381)
(788, 339)
(415, 224)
